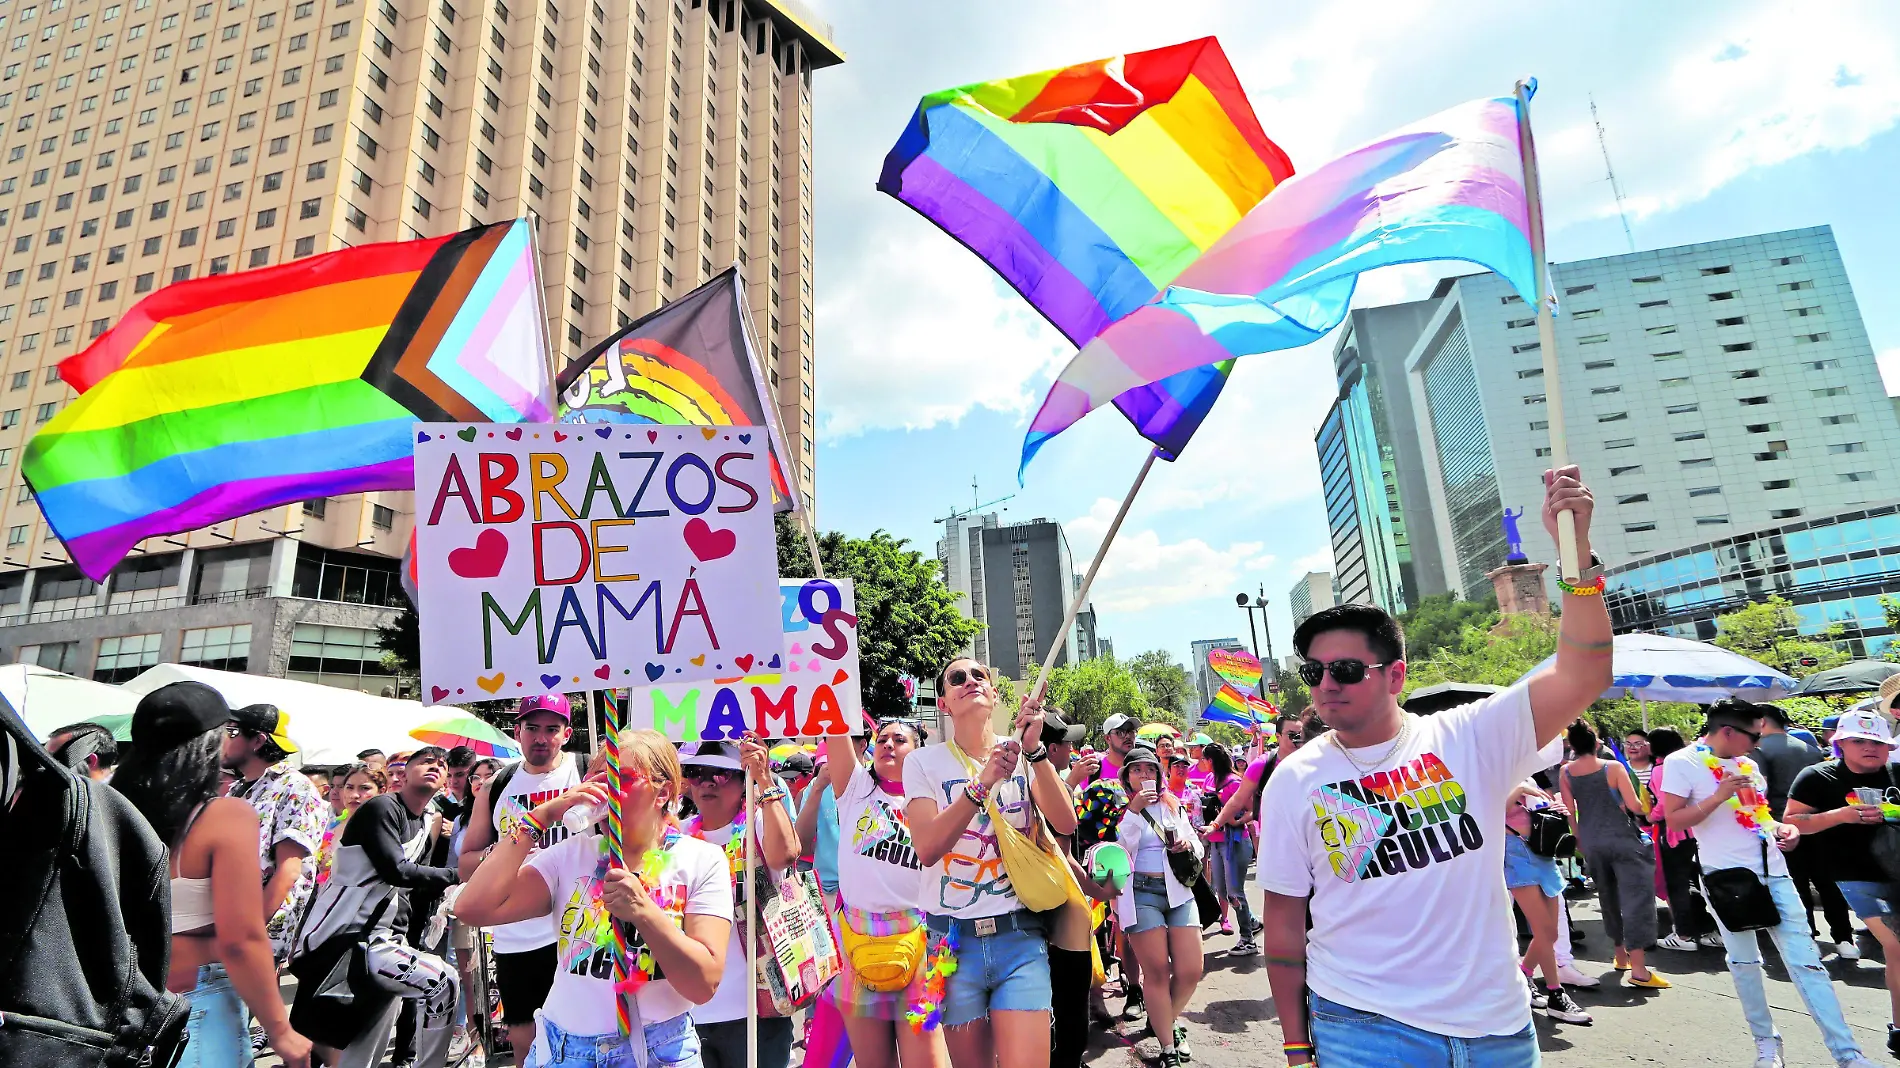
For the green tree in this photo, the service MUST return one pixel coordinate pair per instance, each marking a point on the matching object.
(1769, 631)
(1292, 697)
(1496, 656)
(907, 617)
(1093, 690)
(1439, 622)
(1164, 683)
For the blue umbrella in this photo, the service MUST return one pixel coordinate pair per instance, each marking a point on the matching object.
(1657, 667)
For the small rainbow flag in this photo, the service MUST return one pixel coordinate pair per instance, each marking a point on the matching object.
(1090, 187)
(218, 397)
(1236, 666)
(1229, 706)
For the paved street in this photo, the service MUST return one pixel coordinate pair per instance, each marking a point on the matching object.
(1697, 1022)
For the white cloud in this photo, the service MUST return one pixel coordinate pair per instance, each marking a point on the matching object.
(1889, 362)
(1142, 572)
(1314, 561)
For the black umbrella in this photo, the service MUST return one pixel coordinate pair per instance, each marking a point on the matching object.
(1439, 696)
(1859, 676)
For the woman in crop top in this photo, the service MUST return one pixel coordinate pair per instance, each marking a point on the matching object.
(219, 951)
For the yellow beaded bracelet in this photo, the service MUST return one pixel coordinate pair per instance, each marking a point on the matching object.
(1591, 590)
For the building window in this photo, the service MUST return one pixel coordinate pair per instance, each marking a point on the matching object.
(122, 659)
(348, 657)
(57, 656)
(220, 648)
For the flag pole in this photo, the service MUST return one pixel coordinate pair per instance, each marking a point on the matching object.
(1568, 565)
(1088, 579)
(752, 910)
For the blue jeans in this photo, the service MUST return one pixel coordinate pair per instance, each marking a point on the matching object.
(1151, 906)
(219, 1027)
(1345, 1037)
(1803, 962)
(1002, 972)
(669, 1044)
(1871, 901)
(1228, 860)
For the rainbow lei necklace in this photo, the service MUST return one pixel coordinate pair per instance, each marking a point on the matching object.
(1758, 818)
(926, 1013)
(599, 933)
(734, 847)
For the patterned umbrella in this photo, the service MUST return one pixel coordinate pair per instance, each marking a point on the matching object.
(462, 728)
(1151, 731)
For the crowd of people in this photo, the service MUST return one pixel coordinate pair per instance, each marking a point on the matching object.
(982, 888)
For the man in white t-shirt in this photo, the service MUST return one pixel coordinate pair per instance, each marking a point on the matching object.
(525, 957)
(1390, 830)
(1733, 829)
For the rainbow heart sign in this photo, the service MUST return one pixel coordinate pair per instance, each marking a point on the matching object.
(1236, 666)
(808, 689)
(591, 557)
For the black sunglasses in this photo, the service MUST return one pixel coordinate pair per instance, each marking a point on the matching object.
(1293, 736)
(958, 676)
(1753, 736)
(708, 775)
(1345, 671)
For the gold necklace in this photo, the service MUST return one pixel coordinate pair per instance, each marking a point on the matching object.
(1405, 730)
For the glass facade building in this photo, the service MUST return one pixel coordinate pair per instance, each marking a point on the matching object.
(1835, 570)
(1466, 465)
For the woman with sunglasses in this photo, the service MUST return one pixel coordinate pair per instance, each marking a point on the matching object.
(999, 995)
(716, 781)
(880, 883)
(1159, 913)
(674, 895)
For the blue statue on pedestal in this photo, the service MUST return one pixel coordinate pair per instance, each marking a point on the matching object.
(1514, 542)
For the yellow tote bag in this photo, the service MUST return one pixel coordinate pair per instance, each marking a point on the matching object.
(1037, 873)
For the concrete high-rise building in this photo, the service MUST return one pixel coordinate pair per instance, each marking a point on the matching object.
(1027, 580)
(1205, 681)
(1709, 389)
(1368, 477)
(960, 551)
(656, 142)
(1313, 592)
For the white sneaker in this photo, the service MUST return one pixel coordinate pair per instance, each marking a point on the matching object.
(1848, 950)
(1568, 975)
(1710, 941)
(1768, 1053)
(1677, 942)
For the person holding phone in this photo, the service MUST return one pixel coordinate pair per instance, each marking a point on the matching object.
(1157, 908)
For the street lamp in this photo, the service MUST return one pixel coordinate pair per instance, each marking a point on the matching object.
(1249, 604)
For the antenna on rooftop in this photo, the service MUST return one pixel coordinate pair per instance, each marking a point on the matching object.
(1616, 188)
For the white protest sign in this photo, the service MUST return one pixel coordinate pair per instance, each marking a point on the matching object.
(562, 557)
(810, 688)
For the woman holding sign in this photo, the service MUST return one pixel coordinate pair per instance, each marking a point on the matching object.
(674, 893)
(880, 882)
(997, 996)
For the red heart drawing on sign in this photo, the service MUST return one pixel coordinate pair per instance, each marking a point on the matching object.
(437, 693)
(652, 436)
(512, 435)
(744, 662)
(707, 543)
(603, 671)
(483, 559)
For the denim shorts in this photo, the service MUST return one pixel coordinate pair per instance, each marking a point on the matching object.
(670, 1044)
(1871, 900)
(1345, 1037)
(1525, 868)
(1151, 907)
(219, 1027)
(1002, 972)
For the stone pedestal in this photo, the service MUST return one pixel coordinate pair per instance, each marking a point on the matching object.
(1520, 589)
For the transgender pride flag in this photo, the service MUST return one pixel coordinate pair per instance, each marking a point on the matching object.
(1448, 188)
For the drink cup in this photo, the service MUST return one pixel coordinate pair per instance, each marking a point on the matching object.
(1869, 795)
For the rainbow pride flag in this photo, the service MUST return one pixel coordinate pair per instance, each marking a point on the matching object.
(1231, 706)
(1448, 188)
(218, 397)
(1091, 187)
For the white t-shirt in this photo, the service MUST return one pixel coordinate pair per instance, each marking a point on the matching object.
(878, 871)
(1405, 867)
(692, 880)
(524, 792)
(735, 990)
(1721, 842)
(969, 881)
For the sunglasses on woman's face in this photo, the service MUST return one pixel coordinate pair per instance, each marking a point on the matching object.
(1345, 671)
(710, 776)
(958, 676)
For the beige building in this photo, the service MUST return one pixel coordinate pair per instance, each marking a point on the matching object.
(150, 141)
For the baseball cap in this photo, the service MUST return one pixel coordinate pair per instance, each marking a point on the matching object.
(556, 703)
(1056, 729)
(1119, 721)
(711, 755)
(1829, 723)
(1866, 724)
(176, 713)
(1200, 739)
(795, 764)
(265, 719)
(1140, 754)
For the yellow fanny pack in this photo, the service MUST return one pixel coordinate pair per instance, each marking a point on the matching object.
(884, 962)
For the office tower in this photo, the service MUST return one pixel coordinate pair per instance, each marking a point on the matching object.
(1026, 579)
(1710, 389)
(655, 142)
(1313, 592)
(960, 551)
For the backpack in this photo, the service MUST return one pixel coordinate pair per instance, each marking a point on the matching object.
(498, 786)
(87, 943)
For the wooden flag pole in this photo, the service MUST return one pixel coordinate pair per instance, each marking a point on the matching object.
(1088, 579)
(753, 912)
(1567, 562)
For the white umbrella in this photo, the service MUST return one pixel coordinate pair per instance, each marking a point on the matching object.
(48, 700)
(329, 724)
(1657, 667)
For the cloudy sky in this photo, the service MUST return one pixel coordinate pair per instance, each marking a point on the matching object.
(1722, 119)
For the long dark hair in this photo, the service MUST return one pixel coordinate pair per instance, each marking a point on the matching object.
(166, 785)
(1664, 741)
(1219, 763)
